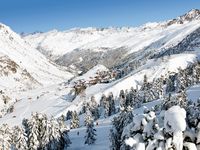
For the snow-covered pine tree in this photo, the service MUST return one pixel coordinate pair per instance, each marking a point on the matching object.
(84, 107)
(25, 125)
(137, 100)
(88, 117)
(158, 87)
(198, 134)
(75, 120)
(196, 73)
(132, 96)
(128, 115)
(90, 136)
(144, 89)
(122, 98)
(18, 139)
(117, 129)
(127, 99)
(63, 141)
(69, 115)
(106, 107)
(111, 104)
(181, 80)
(5, 137)
(43, 136)
(170, 83)
(113, 139)
(32, 132)
(54, 135)
(94, 108)
(101, 108)
(182, 98)
(103, 98)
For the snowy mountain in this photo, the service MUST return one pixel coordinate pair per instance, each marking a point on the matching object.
(121, 47)
(23, 68)
(84, 49)
(20, 61)
(116, 46)
(128, 77)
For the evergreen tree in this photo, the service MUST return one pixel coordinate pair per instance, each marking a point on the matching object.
(111, 104)
(106, 107)
(196, 73)
(84, 107)
(18, 139)
(144, 89)
(101, 108)
(69, 115)
(181, 80)
(53, 130)
(74, 120)
(117, 129)
(122, 98)
(88, 117)
(113, 139)
(182, 99)
(64, 140)
(5, 137)
(102, 100)
(43, 134)
(90, 133)
(128, 115)
(94, 108)
(32, 133)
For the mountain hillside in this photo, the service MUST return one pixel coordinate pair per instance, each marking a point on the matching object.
(23, 68)
(105, 60)
(20, 60)
(119, 46)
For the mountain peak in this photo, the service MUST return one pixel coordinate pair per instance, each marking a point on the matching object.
(191, 15)
(194, 12)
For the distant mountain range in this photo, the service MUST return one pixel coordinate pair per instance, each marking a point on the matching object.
(114, 47)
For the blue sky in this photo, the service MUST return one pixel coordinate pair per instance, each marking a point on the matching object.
(43, 15)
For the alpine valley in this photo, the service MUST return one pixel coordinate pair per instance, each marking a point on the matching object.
(128, 88)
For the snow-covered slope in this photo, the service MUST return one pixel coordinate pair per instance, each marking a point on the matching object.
(129, 43)
(26, 60)
(91, 73)
(151, 38)
(60, 43)
(153, 69)
(51, 100)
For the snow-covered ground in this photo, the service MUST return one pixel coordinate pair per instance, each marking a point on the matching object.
(102, 142)
(91, 73)
(153, 69)
(50, 92)
(23, 69)
(103, 131)
(58, 43)
(27, 58)
(51, 100)
(194, 93)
